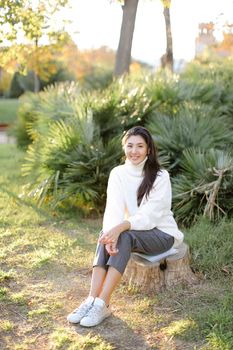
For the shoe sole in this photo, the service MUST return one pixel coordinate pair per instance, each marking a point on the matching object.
(95, 324)
(74, 322)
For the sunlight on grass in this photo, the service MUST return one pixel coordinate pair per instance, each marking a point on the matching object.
(93, 342)
(19, 298)
(215, 342)
(7, 275)
(41, 258)
(21, 346)
(179, 327)
(38, 312)
(61, 338)
(6, 325)
(64, 339)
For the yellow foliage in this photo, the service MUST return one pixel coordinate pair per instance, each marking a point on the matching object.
(44, 60)
(135, 67)
(226, 46)
(5, 81)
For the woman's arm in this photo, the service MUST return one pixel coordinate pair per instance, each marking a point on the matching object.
(155, 207)
(115, 204)
(112, 235)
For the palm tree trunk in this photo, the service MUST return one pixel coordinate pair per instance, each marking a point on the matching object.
(168, 58)
(123, 56)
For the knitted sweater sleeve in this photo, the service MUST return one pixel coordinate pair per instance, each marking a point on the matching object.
(155, 207)
(115, 204)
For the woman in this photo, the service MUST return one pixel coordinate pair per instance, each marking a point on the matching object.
(137, 218)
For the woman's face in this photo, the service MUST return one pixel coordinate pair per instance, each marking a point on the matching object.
(135, 149)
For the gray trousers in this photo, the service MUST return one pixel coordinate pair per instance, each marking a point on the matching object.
(149, 242)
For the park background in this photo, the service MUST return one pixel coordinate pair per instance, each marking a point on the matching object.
(70, 85)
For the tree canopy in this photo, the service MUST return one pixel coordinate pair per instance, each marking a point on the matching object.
(27, 17)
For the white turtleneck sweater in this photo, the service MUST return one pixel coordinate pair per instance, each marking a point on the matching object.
(154, 211)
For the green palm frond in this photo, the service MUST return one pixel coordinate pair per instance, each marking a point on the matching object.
(91, 168)
(205, 185)
(38, 111)
(189, 128)
(71, 161)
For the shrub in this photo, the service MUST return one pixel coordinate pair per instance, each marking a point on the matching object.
(212, 84)
(71, 163)
(185, 115)
(37, 111)
(15, 88)
(204, 186)
(122, 105)
(195, 126)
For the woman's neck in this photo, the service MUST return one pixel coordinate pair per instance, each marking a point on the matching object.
(135, 169)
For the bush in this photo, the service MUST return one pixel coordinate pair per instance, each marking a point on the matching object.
(212, 84)
(122, 105)
(15, 88)
(27, 115)
(204, 185)
(37, 111)
(71, 163)
(194, 126)
(187, 120)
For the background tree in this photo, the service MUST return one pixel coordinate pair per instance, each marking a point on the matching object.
(33, 20)
(123, 56)
(167, 58)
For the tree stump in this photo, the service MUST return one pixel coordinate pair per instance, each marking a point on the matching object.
(156, 276)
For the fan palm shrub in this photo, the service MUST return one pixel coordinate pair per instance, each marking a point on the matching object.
(193, 126)
(212, 83)
(167, 92)
(122, 105)
(37, 111)
(71, 163)
(28, 104)
(205, 185)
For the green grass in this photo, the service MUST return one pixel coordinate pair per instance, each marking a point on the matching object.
(211, 246)
(45, 272)
(8, 110)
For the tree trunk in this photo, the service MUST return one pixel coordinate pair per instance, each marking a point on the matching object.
(123, 56)
(36, 77)
(167, 59)
(36, 82)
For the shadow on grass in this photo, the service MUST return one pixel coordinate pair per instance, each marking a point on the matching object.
(118, 333)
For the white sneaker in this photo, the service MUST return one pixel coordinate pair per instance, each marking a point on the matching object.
(81, 311)
(96, 314)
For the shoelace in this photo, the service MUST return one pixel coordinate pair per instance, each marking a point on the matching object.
(81, 308)
(93, 311)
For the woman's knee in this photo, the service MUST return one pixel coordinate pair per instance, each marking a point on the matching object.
(125, 239)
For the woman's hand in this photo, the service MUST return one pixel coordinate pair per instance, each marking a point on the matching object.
(111, 248)
(110, 237)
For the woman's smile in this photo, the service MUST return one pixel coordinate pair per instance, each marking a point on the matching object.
(135, 149)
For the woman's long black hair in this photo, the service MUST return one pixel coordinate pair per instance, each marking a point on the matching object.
(151, 166)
